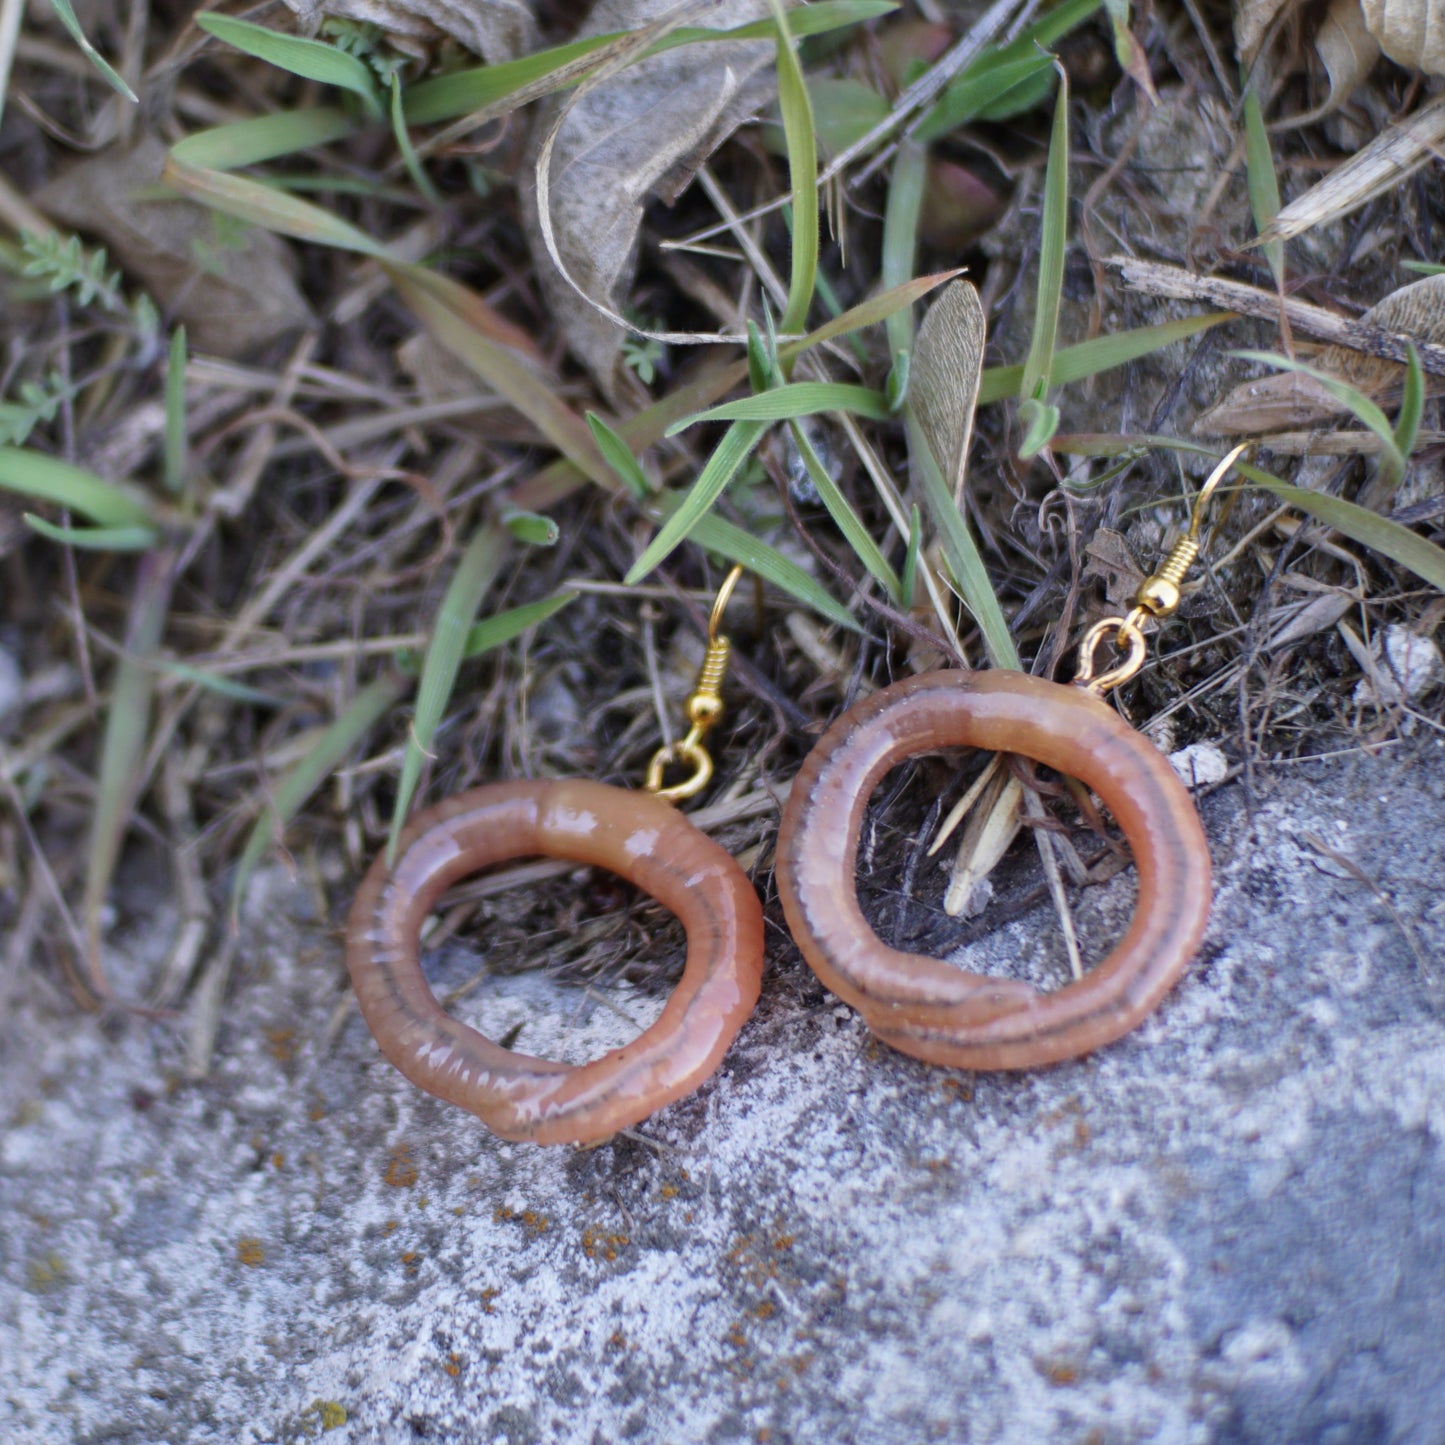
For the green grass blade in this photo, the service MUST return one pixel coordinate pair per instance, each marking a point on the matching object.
(970, 577)
(409, 157)
(265, 138)
(16, 423)
(732, 451)
(310, 59)
(797, 112)
(845, 518)
(797, 399)
(1262, 181)
(261, 205)
(1050, 28)
(1040, 420)
(618, 455)
(127, 724)
(900, 234)
(222, 686)
(985, 88)
(909, 581)
(844, 111)
(1412, 405)
(494, 632)
(1348, 396)
(1425, 268)
(866, 313)
(476, 571)
(46, 479)
(175, 447)
(895, 388)
(1021, 91)
(829, 296)
(94, 539)
(530, 527)
(317, 764)
(1360, 524)
(816, 19)
(1088, 358)
(108, 73)
(763, 371)
(561, 478)
(1039, 365)
(717, 534)
(466, 92)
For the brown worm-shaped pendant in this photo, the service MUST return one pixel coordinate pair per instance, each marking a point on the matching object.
(634, 834)
(929, 1008)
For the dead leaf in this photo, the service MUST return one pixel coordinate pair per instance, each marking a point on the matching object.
(1388, 159)
(1346, 49)
(639, 132)
(1410, 32)
(1132, 58)
(1112, 561)
(1252, 20)
(496, 30)
(1341, 443)
(1416, 310)
(1295, 622)
(1289, 400)
(1285, 402)
(1350, 37)
(233, 285)
(947, 362)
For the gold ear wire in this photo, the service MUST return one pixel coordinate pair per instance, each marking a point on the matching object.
(703, 708)
(1159, 596)
(1207, 490)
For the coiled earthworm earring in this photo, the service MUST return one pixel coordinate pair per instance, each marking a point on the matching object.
(929, 1008)
(639, 835)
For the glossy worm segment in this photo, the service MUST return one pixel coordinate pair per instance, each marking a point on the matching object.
(638, 836)
(932, 1009)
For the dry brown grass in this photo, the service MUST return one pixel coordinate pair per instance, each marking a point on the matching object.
(337, 467)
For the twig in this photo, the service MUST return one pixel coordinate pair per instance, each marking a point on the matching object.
(1034, 807)
(912, 105)
(921, 93)
(1159, 280)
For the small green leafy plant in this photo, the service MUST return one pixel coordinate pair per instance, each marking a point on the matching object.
(62, 263)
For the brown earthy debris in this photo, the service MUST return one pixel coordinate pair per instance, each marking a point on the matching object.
(639, 133)
(233, 285)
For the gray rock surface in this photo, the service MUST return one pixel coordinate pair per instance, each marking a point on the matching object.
(1230, 1226)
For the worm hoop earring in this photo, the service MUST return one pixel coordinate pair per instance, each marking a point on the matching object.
(932, 1009)
(639, 835)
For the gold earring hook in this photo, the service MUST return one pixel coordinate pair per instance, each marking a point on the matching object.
(720, 603)
(1196, 520)
(1159, 596)
(703, 708)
